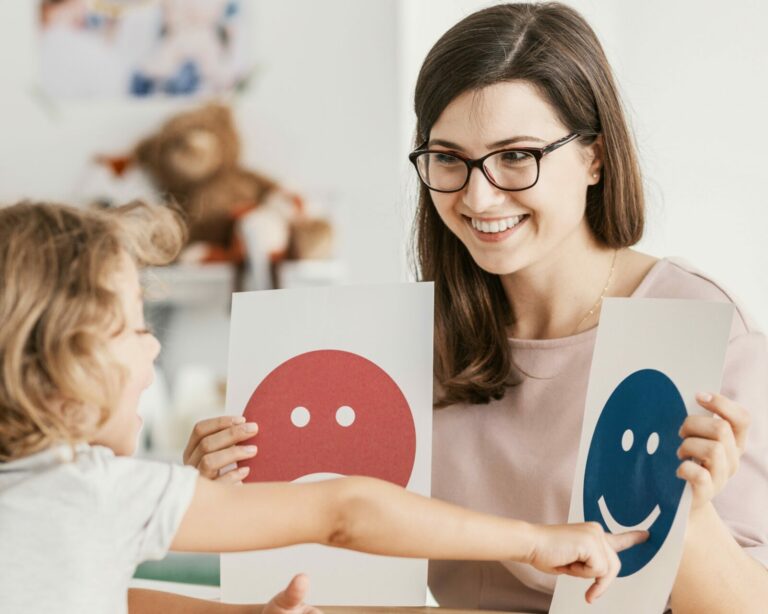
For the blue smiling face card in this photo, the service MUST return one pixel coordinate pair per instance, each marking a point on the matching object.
(651, 357)
(629, 481)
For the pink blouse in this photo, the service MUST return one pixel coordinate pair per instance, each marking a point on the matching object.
(516, 456)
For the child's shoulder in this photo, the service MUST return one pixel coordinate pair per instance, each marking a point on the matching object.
(86, 473)
(69, 474)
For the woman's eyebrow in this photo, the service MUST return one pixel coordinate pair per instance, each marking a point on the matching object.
(513, 141)
(497, 145)
(443, 143)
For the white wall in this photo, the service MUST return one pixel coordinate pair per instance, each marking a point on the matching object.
(694, 76)
(324, 111)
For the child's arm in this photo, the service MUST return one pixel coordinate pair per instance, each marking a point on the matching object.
(374, 516)
(289, 601)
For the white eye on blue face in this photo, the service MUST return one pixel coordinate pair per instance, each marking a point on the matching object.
(653, 443)
(627, 439)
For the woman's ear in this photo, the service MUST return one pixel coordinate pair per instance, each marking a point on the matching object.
(594, 154)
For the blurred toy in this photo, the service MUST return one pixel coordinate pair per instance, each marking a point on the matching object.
(110, 181)
(193, 159)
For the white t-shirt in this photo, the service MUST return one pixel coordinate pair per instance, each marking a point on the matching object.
(74, 525)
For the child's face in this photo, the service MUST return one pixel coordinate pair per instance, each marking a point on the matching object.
(552, 210)
(135, 349)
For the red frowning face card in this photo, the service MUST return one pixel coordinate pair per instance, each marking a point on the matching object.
(330, 412)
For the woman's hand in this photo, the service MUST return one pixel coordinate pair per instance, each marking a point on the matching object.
(583, 550)
(712, 446)
(291, 600)
(213, 445)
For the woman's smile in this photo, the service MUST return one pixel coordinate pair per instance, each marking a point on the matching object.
(494, 230)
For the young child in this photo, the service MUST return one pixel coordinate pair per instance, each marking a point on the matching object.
(77, 514)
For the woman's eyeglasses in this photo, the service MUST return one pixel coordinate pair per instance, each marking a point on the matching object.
(511, 169)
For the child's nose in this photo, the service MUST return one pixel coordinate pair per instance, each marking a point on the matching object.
(155, 346)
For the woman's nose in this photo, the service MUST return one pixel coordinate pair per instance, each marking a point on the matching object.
(480, 194)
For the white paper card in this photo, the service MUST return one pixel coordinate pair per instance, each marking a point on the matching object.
(651, 358)
(339, 380)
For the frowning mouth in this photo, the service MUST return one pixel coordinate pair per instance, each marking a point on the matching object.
(614, 526)
(317, 477)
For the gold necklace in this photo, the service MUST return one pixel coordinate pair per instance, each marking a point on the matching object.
(597, 304)
(599, 300)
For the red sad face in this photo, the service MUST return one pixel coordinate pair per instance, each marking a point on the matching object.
(330, 411)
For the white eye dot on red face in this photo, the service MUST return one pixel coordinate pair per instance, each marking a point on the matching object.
(345, 415)
(627, 439)
(653, 443)
(300, 417)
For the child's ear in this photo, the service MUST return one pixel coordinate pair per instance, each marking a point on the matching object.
(86, 418)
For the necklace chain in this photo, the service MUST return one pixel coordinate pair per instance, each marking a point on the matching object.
(599, 300)
(594, 308)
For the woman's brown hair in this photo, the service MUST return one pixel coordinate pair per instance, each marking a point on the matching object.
(58, 381)
(551, 47)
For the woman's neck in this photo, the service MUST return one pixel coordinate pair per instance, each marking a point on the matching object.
(553, 297)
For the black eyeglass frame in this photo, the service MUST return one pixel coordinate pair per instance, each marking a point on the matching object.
(537, 152)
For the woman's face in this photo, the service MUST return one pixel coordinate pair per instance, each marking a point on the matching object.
(544, 219)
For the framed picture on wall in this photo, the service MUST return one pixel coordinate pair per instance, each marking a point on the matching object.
(141, 48)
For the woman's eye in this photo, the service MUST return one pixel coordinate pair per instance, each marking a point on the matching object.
(513, 157)
(446, 159)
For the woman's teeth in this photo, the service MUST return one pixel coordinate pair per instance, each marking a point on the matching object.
(497, 225)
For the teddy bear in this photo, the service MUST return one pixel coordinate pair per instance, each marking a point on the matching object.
(232, 212)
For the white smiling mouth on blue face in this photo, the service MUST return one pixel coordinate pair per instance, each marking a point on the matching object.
(614, 526)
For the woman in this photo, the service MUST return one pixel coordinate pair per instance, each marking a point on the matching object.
(531, 198)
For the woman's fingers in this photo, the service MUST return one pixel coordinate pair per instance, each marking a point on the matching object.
(711, 455)
(730, 411)
(236, 476)
(715, 429)
(220, 441)
(715, 443)
(699, 478)
(210, 464)
(208, 427)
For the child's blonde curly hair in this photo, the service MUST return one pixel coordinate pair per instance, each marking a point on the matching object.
(58, 382)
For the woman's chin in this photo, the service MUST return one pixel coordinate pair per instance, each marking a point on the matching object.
(498, 266)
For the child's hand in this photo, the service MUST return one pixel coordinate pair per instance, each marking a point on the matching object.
(583, 550)
(291, 600)
(212, 446)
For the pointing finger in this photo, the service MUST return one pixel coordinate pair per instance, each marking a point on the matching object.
(623, 541)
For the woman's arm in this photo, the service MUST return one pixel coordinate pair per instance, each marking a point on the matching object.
(374, 516)
(715, 575)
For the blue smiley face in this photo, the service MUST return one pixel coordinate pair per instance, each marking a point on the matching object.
(629, 480)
